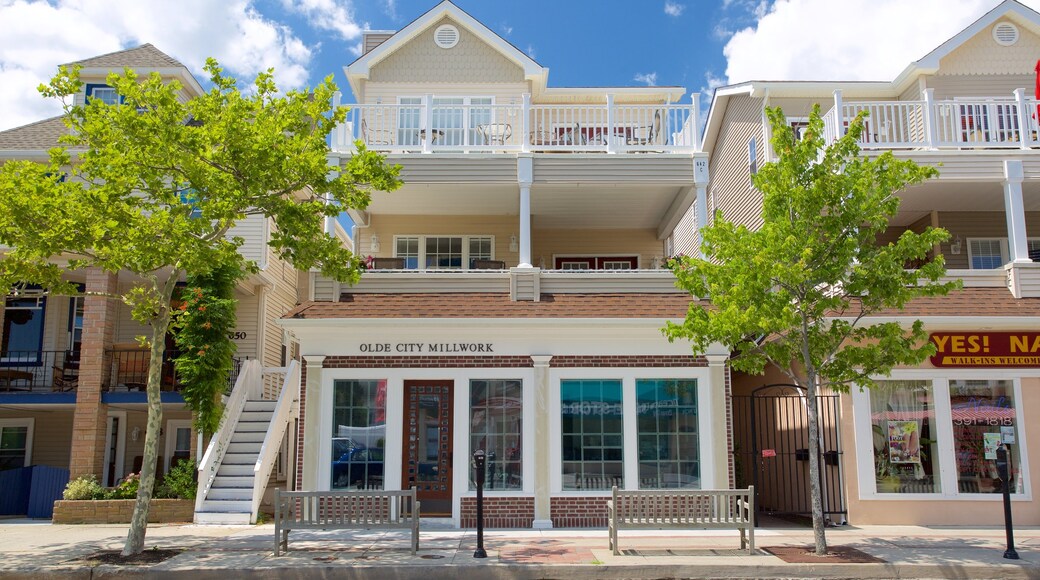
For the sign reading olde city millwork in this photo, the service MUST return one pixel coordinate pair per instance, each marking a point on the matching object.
(986, 349)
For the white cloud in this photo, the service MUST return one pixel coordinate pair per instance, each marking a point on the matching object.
(530, 51)
(673, 9)
(390, 8)
(36, 36)
(333, 15)
(848, 40)
(649, 78)
(506, 29)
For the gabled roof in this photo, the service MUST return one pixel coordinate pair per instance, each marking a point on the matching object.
(38, 136)
(359, 69)
(144, 56)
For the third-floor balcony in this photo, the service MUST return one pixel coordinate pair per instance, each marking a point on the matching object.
(433, 124)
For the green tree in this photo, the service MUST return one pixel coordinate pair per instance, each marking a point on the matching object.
(157, 183)
(798, 292)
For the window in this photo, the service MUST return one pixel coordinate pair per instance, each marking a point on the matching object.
(359, 434)
(799, 125)
(103, 93)
(15, 443)
(668, 434)
(596, 262)
(443, 252)
(902, 418)
(23, 329)
(592, 435)
(75, 327)
(752, 147)
(983, 416)
(496, 426)
(178, 442)
(987, 253)
(409, 121)
(455, 119)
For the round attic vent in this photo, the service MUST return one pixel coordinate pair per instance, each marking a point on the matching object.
(446, 36)
(1005, 33)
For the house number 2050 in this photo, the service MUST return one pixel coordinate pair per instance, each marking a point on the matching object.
(236, 335)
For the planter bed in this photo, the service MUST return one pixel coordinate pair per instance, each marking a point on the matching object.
(119, 511)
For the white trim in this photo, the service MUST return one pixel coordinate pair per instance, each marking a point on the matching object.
(171, 439)
(421, 257)
(120, 448)
(940, 379)
(30, 424)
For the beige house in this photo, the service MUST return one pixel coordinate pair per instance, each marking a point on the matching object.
(969, 109)
(516, 294)
(71, 373)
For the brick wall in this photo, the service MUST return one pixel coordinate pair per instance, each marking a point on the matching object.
(499, 512)
(578, 512)
(299, 426)
(119, 511)
(627, 361)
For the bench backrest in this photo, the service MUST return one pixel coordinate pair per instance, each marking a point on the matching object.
(685, 506)
(384, 508)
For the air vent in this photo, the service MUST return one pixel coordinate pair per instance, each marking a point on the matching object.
(447, 36)
(1005, 34)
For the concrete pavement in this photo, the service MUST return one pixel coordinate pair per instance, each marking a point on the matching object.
(30, 549)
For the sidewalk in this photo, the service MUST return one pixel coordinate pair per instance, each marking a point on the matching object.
(30, 549)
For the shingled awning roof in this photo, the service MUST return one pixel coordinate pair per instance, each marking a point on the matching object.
(144, 56)
(967, 302)
(496, 305)
(41, 135)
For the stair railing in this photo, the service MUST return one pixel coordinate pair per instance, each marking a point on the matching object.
(287, 407)
(245, 387)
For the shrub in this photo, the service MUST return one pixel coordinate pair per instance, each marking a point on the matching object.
(82, 488)
(181, 482)
(127, 489)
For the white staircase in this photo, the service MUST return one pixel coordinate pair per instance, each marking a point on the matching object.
(236, 467)
(230, 497)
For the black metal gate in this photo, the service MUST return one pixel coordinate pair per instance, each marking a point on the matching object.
(771, 451)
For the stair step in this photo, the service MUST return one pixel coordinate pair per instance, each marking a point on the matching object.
(227, 470)
(228, 506)
(235, 458)
(251, 447)
(233, 481)
(260, 405)
(222, 518)
(230, 494)
(248, 436)
(249, 426)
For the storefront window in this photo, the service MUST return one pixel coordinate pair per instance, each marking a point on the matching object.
(358, 434)
(906, 458)
(591, 429)
(983, 419)
(496, 426)
(668, 446)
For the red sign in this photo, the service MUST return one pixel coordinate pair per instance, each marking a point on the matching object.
(769, 453)
(986, 349)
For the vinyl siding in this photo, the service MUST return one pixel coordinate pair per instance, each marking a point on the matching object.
(472, 60)
(247, 313)
(677, 169)
(251, 230)
(387, 93)
(730, 187)
(982, 55)
(387, 226)
(548, 243)
(324, 288)
(978, 224)
(52, 435)
(444, 168)
(278, 300)
(685, 238)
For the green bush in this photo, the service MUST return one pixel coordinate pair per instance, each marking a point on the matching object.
(127, 489)
(82, 488)
(181, 482)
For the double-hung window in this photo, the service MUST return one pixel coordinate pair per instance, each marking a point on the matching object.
(991, 253)
(23, 330)
(443, 252)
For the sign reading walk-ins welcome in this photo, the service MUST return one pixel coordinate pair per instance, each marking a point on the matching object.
(986, 349)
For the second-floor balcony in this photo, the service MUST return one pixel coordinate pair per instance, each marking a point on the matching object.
(997, 122)
(432, 124)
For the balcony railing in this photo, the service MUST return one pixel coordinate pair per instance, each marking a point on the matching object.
(431, 126)
(979, 122)
(129, 371)
(38, 371)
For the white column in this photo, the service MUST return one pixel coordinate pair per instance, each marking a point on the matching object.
(929, 118)
(716, 423)
(525, 176)
(312, 422)
(839, 116)
(426, 124)
(700, 180)
(542, 442)
(525, 123)
(1014, 211)
(1023, 118)
(695, 121)
(611, 147)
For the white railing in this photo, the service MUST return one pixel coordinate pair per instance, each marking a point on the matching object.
(272, 380)
(435, 125)
(1008, 122)
(245, 387)
(288, 406)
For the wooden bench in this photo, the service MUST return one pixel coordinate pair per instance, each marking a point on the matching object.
(343, 510)
(731, 509)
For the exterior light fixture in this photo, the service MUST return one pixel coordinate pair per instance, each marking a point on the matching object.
(513, 246)
(955, 246)
(374, 243)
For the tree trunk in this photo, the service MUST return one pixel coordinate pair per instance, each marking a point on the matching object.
(816, 493)
(139, 521)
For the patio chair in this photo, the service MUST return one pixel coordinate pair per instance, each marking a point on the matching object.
(489, 265)
(495, 133)
(376, 136)
(646, 135)
(63, 381)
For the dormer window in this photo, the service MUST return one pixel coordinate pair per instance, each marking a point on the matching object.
(104, 93)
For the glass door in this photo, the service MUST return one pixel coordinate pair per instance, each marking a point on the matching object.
(427, 444)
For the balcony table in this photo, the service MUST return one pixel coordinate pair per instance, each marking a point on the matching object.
(8, 376)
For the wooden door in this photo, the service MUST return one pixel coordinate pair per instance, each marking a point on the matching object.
(427, 440)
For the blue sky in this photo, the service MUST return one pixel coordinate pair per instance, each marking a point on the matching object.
(697, 44)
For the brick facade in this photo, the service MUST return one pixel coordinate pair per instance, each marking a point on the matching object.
(119, 511)
(499, 512)
(91, 416)
(578, 512)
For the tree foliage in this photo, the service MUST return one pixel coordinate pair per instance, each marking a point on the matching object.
(155, 184)
(798, 292)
